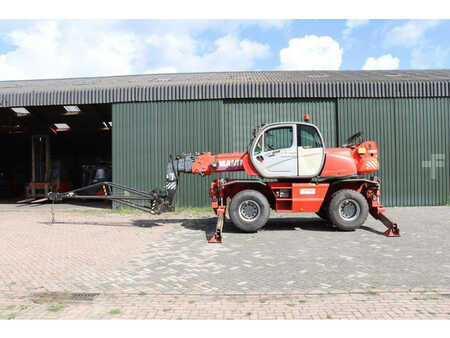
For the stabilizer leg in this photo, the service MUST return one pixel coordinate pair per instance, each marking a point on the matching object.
(392, 228)
(217, 237)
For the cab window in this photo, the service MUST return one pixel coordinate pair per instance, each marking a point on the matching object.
(258, 147)
(278, 138)
(308, 137)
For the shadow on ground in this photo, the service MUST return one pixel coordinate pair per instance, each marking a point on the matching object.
(208, 225)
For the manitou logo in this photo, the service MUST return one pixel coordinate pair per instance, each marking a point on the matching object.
(437, 161)
(230, 164)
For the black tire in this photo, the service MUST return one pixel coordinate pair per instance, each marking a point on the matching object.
(347, 210)
(323, 212)
(249, 210)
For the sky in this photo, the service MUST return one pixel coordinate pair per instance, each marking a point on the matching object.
(37, 49)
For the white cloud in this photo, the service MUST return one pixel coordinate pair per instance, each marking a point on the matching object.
(350, 25)
(186, 54)
(311, 53)
(426, 57)
(409, 34)
(383, 62)
(51, 49)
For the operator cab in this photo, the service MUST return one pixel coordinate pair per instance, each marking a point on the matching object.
(288, 149)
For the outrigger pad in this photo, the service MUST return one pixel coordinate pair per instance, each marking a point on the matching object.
(215, 239)
(392, 232)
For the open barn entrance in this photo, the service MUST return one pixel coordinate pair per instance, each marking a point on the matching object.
(54, 148)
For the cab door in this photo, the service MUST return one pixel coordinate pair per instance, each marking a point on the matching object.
(311, 150)
(275, 153)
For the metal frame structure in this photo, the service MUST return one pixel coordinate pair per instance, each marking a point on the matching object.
(156, 200)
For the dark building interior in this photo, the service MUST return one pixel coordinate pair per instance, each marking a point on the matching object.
(79, 147)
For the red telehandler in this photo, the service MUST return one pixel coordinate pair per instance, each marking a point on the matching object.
(293, 171)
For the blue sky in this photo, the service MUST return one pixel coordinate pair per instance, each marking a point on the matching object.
(55, 49)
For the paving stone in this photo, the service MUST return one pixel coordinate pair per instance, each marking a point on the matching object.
(168, 254)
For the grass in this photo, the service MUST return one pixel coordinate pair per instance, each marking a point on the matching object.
(130, 211)
(11, 316)
(302, 301)
(114, 311)
(329, 316)
(426, 298)
(166, 310)
(51, 298)
(372, 293)
(124, 211)
(263, 300)
(10, 307)
(290, 304)
(56, 307)
(197, 210)
(42, 300)
(248, 313)
(142, 293)
(191, 302)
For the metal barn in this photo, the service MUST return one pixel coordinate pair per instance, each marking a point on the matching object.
(135, 122)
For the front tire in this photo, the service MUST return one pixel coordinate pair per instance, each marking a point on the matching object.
(249, 210)
(348, 210)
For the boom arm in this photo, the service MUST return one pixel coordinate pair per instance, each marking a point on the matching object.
(158, 201)
(203, 164)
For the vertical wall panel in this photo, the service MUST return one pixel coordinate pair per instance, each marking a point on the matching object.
(242, 116)
(423, 132)
(375, 118)
(144, 134)
(413, 139)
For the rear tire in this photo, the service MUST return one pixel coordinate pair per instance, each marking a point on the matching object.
(348, 210)
(249, 210)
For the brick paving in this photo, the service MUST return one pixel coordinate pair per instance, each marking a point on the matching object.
(161, 267)
(348, 305)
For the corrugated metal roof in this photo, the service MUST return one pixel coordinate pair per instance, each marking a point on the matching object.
(226, 85)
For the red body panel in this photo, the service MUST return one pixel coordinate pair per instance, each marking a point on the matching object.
(339, 162)
(368, 161)
(304, 197)
(360, 159)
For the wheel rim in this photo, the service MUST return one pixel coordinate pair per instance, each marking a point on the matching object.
(349, 210)
(249, 210)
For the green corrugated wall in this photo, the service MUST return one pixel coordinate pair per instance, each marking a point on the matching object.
(146, 133)
(412, 134)
(413, 139)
